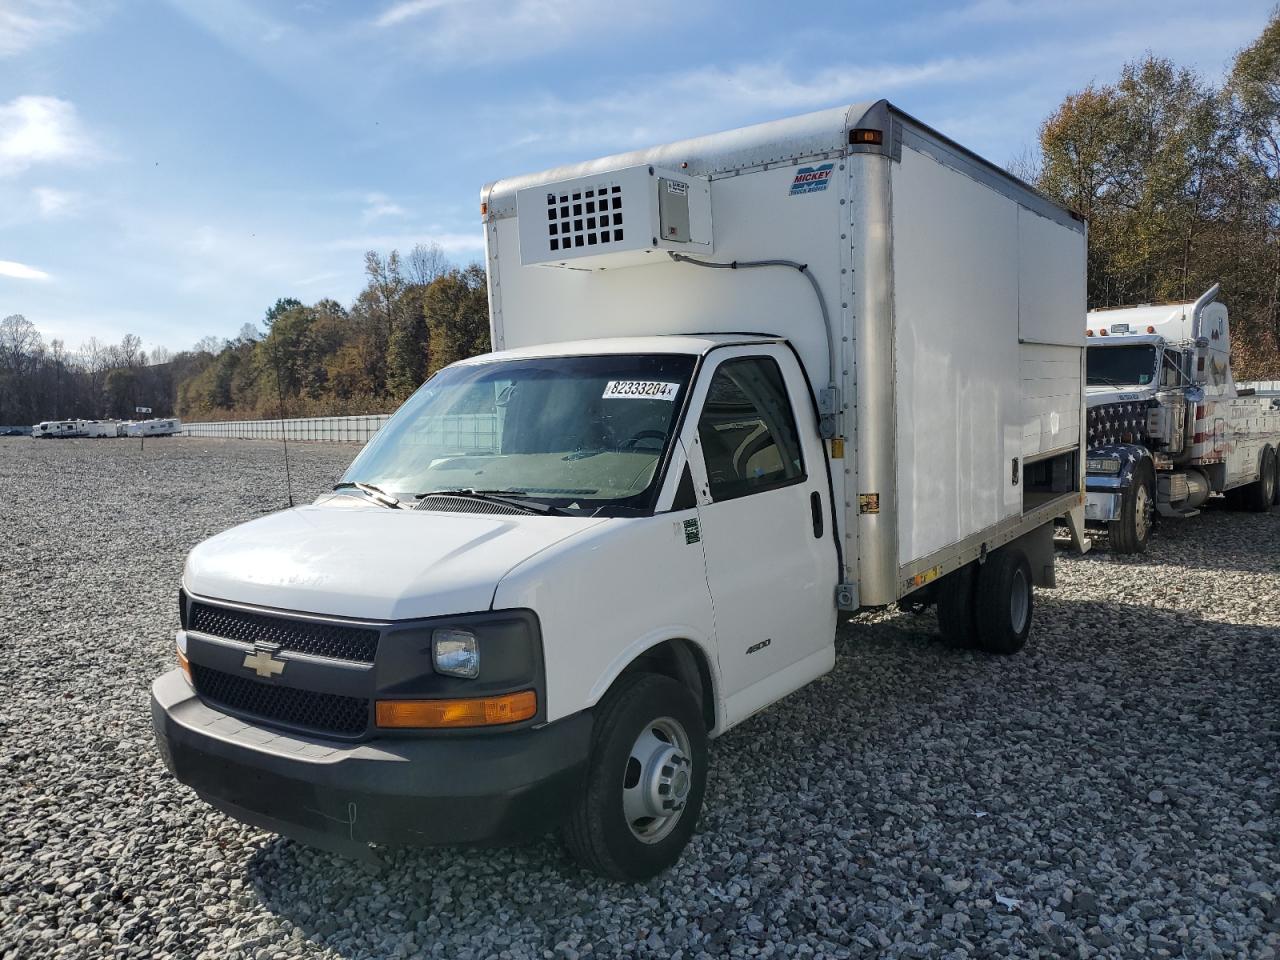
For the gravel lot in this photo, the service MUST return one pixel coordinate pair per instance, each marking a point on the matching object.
(1113, 791)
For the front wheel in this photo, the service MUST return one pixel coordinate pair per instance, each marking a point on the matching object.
(645, 781)
(1131, 531)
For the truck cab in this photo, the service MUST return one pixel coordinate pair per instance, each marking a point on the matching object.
(523, 508)
(1167, 425)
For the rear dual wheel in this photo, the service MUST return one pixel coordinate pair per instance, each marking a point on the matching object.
(1261, 495)
(988, 605)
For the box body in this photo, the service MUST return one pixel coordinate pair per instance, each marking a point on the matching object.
(955, 295)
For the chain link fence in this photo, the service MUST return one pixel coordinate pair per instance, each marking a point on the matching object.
(333, 429)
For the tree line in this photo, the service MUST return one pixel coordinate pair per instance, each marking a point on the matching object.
(415, 315)
(1179, 180)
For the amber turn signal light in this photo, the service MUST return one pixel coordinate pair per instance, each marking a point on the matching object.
(864, 135)
(468, 712)
(185, 665)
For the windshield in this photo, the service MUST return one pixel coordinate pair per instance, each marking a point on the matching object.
(579, 433)
(1121, 366)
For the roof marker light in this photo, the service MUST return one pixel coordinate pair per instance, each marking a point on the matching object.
(866, 136)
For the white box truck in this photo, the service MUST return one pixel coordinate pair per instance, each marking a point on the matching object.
(741, 382)
(1167, 424)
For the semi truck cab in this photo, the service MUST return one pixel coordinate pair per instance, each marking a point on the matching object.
(1167, 425)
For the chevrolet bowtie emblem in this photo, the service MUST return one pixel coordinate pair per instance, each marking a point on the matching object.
(263, 663)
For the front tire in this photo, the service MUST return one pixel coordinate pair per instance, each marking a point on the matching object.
(1004, 602)
(1131, 532)
(645, 780)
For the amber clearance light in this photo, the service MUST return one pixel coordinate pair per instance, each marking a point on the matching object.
(468, 712)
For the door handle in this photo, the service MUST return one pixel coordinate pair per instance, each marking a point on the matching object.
(815, 505)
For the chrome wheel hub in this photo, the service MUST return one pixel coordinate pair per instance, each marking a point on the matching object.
(1143, 507)
(657, 780)
(1018, 602)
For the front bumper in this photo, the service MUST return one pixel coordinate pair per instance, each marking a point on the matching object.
(476, 789)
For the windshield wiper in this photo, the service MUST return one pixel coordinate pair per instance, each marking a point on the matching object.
(376, 494)
(511, 498)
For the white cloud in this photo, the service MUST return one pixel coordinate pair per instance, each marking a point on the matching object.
(658, 109)
(28, 23)
(54, 203)
(481, 31)
(21, 271)
(408, 9)
(36, 130)
(378, 205)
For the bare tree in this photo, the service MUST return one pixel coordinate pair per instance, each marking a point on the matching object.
(93, 359)
(131, 354)
(19, 339)
(426, 263)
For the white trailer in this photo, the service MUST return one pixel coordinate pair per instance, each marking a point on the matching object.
(154, 428)
(741, 382)
(100, 428)
(60, 429)
(1168, 426)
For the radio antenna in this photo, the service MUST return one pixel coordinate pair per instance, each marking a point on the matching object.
(284, 434)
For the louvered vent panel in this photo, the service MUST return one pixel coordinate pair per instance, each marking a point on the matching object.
(443, 503)
(590, 217)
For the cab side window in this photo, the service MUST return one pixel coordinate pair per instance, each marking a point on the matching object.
(747, 430)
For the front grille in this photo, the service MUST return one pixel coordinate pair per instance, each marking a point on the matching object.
(322, 712)
(1118, 423)
(335, 640)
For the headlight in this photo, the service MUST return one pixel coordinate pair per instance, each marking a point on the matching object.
(455, 653)
(1102, 465)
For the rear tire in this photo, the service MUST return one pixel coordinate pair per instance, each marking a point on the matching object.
(1004, 602)
(1131, 532)
(955, 608)
(645, 780)
(1261, 494)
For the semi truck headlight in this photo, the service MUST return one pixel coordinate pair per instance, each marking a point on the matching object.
(1102, 465)
(455, 653)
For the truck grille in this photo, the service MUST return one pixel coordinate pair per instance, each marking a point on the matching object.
(334, 640)
(1118, 423)
(322, 712)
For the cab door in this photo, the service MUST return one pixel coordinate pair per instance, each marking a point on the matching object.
(764, 508)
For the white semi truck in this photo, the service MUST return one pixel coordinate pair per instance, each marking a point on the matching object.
(741, 383)
(1168, 426)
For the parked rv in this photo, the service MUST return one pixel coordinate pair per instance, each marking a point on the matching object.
(100, 428)
(60, 428)
(1168, 426)
(740, 384)
(154, 428)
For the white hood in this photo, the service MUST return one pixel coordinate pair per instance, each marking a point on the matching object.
(370, 562)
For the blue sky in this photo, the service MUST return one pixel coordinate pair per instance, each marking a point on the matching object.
(170, 168)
